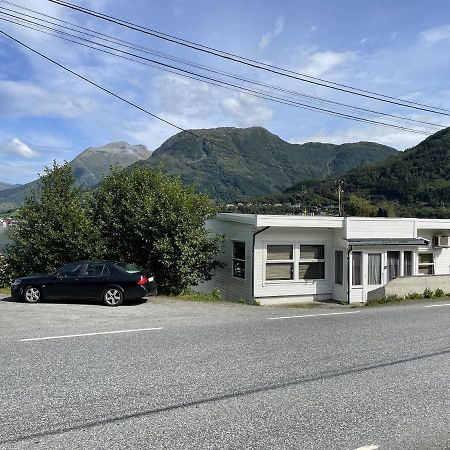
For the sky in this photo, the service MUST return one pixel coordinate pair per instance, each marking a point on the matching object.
(399, 49)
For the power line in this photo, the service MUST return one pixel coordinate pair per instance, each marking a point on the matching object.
(209, 80)
(256, 64)
(107, 38)
(137, 106)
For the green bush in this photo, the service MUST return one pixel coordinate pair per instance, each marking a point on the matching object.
(5, 272)
(428, 293)
(148, 218)
(439, 293)
(413, 296)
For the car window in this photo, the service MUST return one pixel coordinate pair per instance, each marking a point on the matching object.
(97, 270)
(70, 270)
(130, 268)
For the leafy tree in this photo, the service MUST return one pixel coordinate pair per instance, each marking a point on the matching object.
(154, 221)
(360, 207)
(53, 227)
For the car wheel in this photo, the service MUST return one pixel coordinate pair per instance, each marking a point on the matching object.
(113, 297)
(32, 294)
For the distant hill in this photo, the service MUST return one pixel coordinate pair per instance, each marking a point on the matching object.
(88, 168)
(228, 174)
(91, 165)
(418, 179)
(415, 182)
(4, 186)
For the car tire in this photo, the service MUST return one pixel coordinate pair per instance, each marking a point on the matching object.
(32, 294)
(113, 296)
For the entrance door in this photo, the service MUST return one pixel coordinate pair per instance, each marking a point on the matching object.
(393, 265)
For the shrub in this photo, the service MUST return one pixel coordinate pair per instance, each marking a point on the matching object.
(5, 272)
(52, 226)
(428, 293)
(413, 296)
(439, 293)
(150, 219)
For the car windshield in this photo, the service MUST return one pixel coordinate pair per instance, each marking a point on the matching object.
(130, 268)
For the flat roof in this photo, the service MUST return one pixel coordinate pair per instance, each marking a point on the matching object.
(281, 220)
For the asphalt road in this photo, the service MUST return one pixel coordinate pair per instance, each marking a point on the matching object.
(219, 376)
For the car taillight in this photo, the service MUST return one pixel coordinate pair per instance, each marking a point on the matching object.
(143, 280)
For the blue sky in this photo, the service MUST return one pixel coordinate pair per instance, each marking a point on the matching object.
(395, 48)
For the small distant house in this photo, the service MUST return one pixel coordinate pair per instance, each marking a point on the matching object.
(276, 259)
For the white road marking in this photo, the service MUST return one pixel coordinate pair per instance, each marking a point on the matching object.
(434, 306)
(89, 334)
(368, 447)
(313, 315)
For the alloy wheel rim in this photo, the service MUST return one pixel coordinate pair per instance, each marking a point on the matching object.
(32, 295)
(112, 296)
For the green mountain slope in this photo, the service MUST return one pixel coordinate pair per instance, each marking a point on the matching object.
(88, 168)
(415, 182)
(418, 179)
(228, 174)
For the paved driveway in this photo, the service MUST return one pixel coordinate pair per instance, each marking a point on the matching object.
(182, 375)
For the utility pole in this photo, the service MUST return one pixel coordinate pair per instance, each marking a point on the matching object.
(340, 193)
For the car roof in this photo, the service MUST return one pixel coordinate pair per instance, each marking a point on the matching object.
(93, 261)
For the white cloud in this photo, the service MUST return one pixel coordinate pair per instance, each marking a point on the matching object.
(267, 38)
(319, 63)
(15, 147)
(247, 111)
(28, 99)
(434, 35)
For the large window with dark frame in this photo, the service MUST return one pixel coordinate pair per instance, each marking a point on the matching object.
(238, 259)
(312, 262)
(280, 262)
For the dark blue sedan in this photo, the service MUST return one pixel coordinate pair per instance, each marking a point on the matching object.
(111, 282)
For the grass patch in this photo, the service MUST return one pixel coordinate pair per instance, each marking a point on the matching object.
(209, 297)
(5, 291)
(427, 294)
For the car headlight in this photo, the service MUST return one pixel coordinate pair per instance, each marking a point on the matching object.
(17, 282)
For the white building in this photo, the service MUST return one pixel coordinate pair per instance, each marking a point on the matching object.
(289, 259)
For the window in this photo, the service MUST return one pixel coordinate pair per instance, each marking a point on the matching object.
(338, 267)
(356, 268)
(97, 270)
(280, 262)
(407, 263)
(239, 259)
(71, 270)
(426, 264)
(312, 262)
(374, 268)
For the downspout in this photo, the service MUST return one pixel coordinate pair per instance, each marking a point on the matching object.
(253, 260)
(348, 273)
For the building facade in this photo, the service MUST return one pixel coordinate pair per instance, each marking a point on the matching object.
(290, 259)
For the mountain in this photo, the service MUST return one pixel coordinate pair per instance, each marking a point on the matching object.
(415, 182)
(253, 161)
(88, 168)
(4, 186)
(91, 165)
(417, 179)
